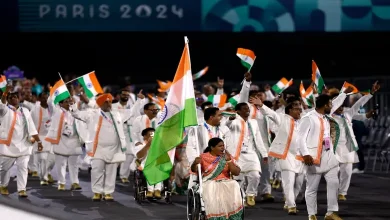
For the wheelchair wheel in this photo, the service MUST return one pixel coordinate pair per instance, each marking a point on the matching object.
(139, 191)
(167, 191)
(243, 204)
(193, 206)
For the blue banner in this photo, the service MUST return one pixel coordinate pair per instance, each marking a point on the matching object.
(109, 15)
(205, 15)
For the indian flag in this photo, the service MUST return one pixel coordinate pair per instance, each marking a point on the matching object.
(247, 57)
(59, 92)
(301, 89)
(200, 73)
(346, 85)
(218, 100)
(234, 100)
(228, 114)
(308, 97)
(282, 85)
(316, 77)
(90, 84)
(157, 100)
(164, 85)
(3, 83)
(179, 112)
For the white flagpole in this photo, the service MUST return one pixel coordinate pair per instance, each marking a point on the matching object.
(197, 143)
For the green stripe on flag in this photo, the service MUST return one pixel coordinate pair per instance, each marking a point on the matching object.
(277, 89)
(86, 90)
(247, 65)
(3, 89)
(168, 135)
(61, 97)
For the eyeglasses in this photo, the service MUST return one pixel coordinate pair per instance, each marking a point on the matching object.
(154, 110)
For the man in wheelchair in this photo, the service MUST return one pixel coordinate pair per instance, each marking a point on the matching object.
(221, 194)
(141, 151)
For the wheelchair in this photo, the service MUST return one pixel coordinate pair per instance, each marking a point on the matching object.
(140, 188)
(195, 207)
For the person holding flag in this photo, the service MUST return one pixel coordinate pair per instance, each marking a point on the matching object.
(135, 110)
(63, 135)
(109, 143)
(16, 141)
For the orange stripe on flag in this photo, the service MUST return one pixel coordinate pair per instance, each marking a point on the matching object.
(3, 79)
(222, 100)
(313, 70)
(58, 84)
(184, 65)
(247, 52)
(347, 85)
(95, 82)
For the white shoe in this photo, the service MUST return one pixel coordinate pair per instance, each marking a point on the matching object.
(356, 170)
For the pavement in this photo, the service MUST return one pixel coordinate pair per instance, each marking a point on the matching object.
(368, 199)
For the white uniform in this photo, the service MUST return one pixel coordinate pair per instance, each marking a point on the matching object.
(108, 146)
(46, 159)
(16, 129)
(246, 145)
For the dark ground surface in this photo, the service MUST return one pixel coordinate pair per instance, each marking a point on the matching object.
(368, 199)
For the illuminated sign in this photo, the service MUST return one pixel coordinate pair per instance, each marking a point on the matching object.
(205, 15)
(108, 15)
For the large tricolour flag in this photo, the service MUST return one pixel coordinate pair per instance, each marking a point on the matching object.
(247, 57)
(90, 84)
(59, 92)
(3, 83)
(179, 112)
(316, 77)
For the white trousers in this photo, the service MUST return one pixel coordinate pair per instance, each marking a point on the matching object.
(22, 172)
(252, 178)
(292, 183)
(103, 176)
(157, 186)
(71, 162)
(332, 186)
(345, 177)
(46, 161)
(33, 162)
(265, 185)
(124, 171)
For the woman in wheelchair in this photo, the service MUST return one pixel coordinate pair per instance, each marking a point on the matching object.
(221, 194)
(141, 151)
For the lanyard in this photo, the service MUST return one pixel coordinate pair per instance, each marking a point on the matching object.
(210, 132)
(21, 114)
(209, 167)
(105, 117)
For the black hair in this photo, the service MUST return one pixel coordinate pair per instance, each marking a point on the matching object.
(212, 143)
(124, 90)
(146, 130)
(212, 111)
(146, 106)
(34, 94)
(322, 100)
(42, 93)
(268, 103)
(12, 94)
(288, 107)
(292, 99)
(240, 105)
(204, 104)
(253, 93)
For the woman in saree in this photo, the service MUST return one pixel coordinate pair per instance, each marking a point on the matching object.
(221, 194)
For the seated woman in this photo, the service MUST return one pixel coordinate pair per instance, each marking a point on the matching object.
(221, 194)
(141, 151)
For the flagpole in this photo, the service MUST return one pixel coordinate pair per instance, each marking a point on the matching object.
(196, 139)
(60, 76)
